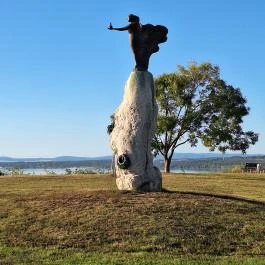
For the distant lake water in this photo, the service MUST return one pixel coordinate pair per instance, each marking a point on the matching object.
(58, 171)
(62, 171)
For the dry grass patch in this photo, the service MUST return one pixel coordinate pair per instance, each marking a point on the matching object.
(126, 222)
(86, 218)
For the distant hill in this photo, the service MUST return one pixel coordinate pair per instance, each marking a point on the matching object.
(79, 158)
(185, 156)
(180, 161)
(6, 159)
(177, 156)
(54, 159)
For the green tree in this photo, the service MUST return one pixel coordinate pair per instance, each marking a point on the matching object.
(196, 104)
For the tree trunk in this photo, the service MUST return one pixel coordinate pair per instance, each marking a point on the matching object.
(167, 163)
(113, 166)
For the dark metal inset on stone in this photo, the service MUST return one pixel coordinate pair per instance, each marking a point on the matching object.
(123, 161)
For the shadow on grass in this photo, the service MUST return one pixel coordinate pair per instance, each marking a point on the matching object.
(218, 196)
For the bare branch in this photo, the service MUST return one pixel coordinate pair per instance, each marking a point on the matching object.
(182, 143)
(159, 143)
(180, 108)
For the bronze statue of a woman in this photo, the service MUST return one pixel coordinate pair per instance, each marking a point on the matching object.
(144, 40)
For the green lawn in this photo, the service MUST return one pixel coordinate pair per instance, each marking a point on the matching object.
(83, 219)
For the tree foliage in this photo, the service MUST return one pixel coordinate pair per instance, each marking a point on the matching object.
(110, 127)
(196, 104)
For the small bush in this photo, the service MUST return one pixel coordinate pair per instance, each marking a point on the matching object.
(236, 169)
(69, 171)
(14, 171)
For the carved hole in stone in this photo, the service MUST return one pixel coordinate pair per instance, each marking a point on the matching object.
(123, 161)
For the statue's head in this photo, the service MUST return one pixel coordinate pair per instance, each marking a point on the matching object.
(133, 18)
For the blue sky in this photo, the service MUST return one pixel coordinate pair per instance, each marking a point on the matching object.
(62, 73)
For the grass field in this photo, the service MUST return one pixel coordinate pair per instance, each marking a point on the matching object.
(83, 219)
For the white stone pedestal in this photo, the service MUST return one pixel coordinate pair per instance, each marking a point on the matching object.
(134, 128)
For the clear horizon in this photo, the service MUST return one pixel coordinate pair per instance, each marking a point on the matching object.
(63, 73)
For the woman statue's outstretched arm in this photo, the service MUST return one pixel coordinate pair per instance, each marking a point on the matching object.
(110, 27)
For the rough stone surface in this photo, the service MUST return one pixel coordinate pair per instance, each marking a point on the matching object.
(135, 121)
